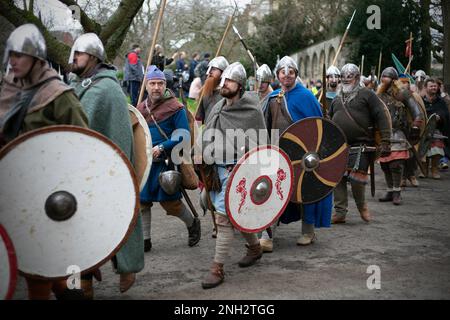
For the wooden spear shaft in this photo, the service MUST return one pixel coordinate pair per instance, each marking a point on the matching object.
(344, 37)
(152, 47)
(379, 64)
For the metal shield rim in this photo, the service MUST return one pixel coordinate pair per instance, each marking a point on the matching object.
(89, 132)
(346, 142)
(144, 125)
(12, 259)
(238, 164)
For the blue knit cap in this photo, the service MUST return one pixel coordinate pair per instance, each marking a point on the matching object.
(153, 73)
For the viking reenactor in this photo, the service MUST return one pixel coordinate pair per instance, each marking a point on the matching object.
(420, 76)
(264, 78)
(411, 164)
(286, 106)
(333, 79)
(210, 90)
(434, 104)
(358, 112)
(405, 133)
(103, 100)
(165, 115)
(238, 111)
(33, 96)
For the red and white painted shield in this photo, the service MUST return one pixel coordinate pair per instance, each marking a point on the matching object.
(259, 189)
(68, 198)
(8, 266)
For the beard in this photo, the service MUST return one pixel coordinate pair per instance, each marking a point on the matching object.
(333, 85)
(210, 85)
(229, 94)
(347, 88)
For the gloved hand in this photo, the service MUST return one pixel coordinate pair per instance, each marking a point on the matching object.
(385, 149)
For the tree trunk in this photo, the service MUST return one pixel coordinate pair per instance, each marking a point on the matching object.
(425, 32)
(446, 19)
(112, 33)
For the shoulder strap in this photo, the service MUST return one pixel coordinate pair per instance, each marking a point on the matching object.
(12, 122)
(351, 117)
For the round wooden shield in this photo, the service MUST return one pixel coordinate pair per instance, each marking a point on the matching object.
(142, 146)
(8, 266)
(319, 154)
(259, 189)
(68, 198)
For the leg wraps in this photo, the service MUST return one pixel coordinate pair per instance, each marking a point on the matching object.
(251, 238)
(146, 220)
(359, 194)
(340, 198)
(307, 228)
(225, 236)
(396, 168)
(385, 166)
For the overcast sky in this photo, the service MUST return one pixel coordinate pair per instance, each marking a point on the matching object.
(61, 15)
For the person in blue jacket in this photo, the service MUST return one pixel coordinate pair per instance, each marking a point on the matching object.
(163, 107)
(285, 106)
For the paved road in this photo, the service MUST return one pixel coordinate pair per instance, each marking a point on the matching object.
(410, 244)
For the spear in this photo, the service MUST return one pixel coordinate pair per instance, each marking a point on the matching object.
(379, 64)
(152, 47)
(344, 37)
(230, 20)
(245, 46)
(252, 57)
(200, 167)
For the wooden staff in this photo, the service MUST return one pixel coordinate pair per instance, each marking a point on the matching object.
(152, 47)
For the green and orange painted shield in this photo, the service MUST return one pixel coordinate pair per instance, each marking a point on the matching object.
(319, 153)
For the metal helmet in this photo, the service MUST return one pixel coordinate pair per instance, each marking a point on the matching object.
(390, 72)
(218, 62)
(286, 63)
(170, 181)
(333, 71)
(350, 69)
(420, 74)
(26, 39)
(264, 74)
(235, 72)
(88, 43)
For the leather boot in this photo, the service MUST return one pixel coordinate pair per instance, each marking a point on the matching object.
(266, 245)
(337, 219)
(195, 232)
(388, 197)
(254, 253)
(147, 245)
(435, 167)
(215, 276)
(413, 181)
(425, 166)
(365, 214)
(126, 281)
(396, 198)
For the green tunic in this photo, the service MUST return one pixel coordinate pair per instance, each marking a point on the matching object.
(107, 110)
